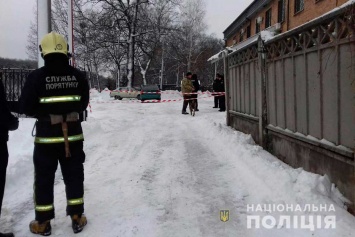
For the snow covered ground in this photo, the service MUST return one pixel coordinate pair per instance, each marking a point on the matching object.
(152, 172)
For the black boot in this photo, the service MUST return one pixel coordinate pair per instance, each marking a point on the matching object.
(78, 222)
(7, 235)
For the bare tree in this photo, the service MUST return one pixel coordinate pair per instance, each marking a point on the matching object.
(193, 27)
(32, 39)
(155, 21)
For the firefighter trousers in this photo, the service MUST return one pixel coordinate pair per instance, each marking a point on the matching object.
(4, 156)
(45, 159)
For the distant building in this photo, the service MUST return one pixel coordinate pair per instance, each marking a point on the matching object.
(275, 15)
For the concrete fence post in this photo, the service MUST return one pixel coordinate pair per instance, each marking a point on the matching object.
(262, 100)
(226, 85)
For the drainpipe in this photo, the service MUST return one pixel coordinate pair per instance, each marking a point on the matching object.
(288, 16)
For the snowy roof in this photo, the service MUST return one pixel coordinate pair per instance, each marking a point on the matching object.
(265, 35)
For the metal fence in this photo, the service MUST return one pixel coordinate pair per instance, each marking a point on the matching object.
(295, 95)
(13, 81)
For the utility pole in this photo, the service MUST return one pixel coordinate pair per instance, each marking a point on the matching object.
(44, 25)
(70, 31)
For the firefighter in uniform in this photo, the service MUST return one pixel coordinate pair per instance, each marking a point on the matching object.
(8, 122)
(55, 95)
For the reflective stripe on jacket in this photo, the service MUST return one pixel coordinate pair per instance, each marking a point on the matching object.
(49, 140)
(56, 99)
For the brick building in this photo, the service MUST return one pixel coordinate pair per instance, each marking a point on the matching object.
(276, 15)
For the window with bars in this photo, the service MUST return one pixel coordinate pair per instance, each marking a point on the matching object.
(281, 11)
(299, 5)
(268, 18)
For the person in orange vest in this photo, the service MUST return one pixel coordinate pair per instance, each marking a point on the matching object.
(8, 122)
(55, 95)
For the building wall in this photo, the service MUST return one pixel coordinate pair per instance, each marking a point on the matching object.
(312, 9)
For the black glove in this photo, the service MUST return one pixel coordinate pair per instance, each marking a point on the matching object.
(13, 123)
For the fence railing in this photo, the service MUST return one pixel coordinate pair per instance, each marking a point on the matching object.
(13, 80)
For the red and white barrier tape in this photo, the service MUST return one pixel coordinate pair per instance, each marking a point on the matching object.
(147, 101)
(171, 92)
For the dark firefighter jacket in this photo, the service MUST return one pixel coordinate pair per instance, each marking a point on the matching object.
(57, 89)
(7, 120)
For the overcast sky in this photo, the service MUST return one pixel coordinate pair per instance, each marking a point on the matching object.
(16, 15)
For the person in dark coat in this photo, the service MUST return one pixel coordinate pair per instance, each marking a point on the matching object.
(214, 87)
(196, 85)
(220, 99)
(55, 95)
(8, 122)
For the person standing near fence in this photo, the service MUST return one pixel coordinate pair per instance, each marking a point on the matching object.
(8, 122)
(218, 86)
(214, 87)
(196, 85)
(55, 94)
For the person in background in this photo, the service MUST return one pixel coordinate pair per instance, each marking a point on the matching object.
(8, 122)
(222, 97)
(187, 88)
(196, 85)
(55, 95)
(214, 87)
(218, 86)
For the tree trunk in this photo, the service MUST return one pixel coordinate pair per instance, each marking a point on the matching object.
(130, 66)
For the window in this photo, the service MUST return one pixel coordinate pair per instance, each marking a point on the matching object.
(241, 36)
(281, 11)
(248, 31)
(257, 26)
(268, 18)
(299, 5)
(234, 39)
